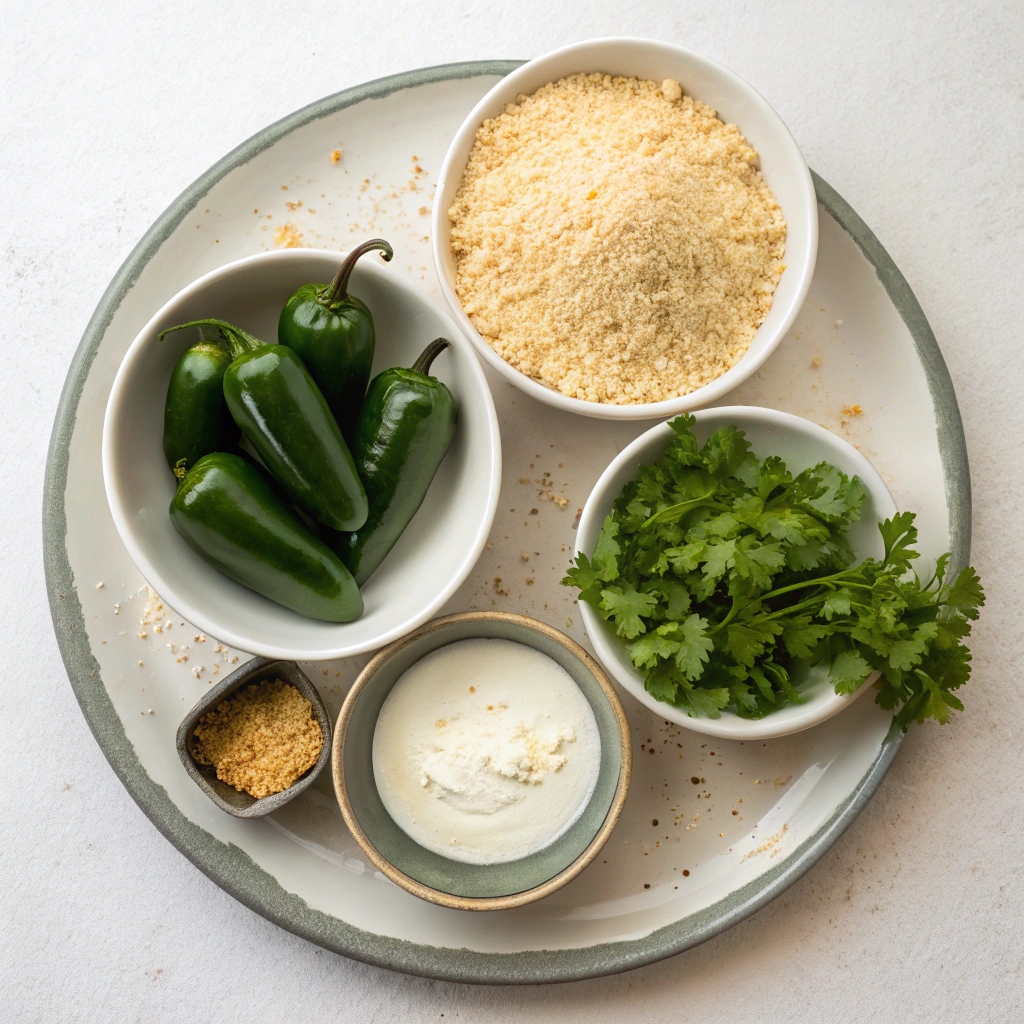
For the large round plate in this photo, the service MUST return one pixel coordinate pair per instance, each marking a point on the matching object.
(688, 858)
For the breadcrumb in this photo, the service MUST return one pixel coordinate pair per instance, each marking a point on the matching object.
(260, 740)
(614, 240)
(287, 236)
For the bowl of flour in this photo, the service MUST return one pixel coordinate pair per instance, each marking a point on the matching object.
(624, 229)
(482, 762)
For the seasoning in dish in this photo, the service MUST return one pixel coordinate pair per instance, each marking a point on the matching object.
(485, 751)
(614, 239)
(261, 740)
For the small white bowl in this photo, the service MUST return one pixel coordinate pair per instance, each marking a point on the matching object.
(440, 545)
(801, 444)
(782, 165)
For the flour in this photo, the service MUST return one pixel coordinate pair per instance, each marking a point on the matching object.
(485, 751)
(479, 767)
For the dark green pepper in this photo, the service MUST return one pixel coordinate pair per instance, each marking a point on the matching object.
(333, 333)
(229, 513)
(282, 413)
(405, 428)
(196, 417)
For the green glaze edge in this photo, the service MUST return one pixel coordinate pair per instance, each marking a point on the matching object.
(231, 867)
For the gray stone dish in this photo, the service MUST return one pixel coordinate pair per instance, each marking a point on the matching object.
(227, 798)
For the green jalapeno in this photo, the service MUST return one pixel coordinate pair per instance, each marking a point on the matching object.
(406, 425)
(228, 512)
(333, 333)
(282, 413)
(196, 417)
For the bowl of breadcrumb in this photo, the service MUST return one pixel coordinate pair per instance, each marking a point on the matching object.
(624, 229)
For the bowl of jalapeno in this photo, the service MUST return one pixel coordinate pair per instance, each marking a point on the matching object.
(301, 453)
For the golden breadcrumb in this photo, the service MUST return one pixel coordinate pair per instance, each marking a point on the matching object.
(261, 739)
(614, 239)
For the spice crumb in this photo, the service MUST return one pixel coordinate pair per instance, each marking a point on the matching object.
(287, 236)
(261, 740)
(335, 155)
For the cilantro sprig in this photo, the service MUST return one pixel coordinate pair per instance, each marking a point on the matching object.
(726, 577)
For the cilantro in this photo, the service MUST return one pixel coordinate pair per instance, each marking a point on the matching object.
(724, 575)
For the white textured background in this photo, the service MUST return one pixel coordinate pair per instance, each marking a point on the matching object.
(914, 112)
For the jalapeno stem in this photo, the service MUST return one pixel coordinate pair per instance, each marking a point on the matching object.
(338, 289)
(237, 341)
(429, 354)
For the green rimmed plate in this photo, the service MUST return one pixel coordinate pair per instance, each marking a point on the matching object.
(656, 889)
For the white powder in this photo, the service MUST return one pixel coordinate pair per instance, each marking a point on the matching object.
(485, 751)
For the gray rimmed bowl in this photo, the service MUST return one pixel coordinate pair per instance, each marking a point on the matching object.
(427, 874)
(227, 798)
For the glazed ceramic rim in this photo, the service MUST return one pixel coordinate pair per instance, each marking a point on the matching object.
(798, 263)
(232, 869)
(205, 618)
(438, 896)
(611, 652)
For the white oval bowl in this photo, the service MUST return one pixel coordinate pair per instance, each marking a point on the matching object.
(800, 444)
(782, 165)
(432, 557)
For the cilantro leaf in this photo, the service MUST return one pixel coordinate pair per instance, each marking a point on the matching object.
(724, 451)
(694, 647)
(839, 497)
(673, 513)
(626, 606)
(704, 703)
(848, 671)
(722, 573)
(899, 534)
(838, 602)
(746, 641)
(607, 550)
(585, 578)
(964, 594)
(717, 558)
(654, 647)
(800, 636)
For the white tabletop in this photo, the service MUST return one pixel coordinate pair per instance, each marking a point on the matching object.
(913, 112)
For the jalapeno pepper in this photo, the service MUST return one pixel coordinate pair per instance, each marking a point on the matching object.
(196, 417)
(405, 428)
(282, 413)
(333, 333)
(228, 512)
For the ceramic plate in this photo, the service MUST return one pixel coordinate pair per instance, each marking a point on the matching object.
(712, 829)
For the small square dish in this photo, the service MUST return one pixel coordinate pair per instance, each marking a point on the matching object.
(226, 797)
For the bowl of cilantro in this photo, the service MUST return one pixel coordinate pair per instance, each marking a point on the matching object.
(745, 574)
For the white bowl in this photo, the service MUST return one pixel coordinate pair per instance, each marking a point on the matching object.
(782, 166)
(440, 545)
(801, 444)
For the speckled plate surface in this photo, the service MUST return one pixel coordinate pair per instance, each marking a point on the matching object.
(712, 830)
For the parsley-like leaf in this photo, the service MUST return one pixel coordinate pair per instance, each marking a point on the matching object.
(848, 671)
(625, 606)
(720, 571)
(694, 647)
